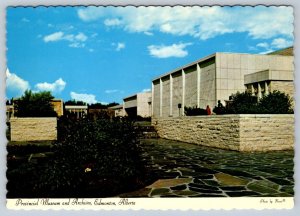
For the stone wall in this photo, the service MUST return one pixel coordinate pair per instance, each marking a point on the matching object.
(33, 129)
(232, 132)
(283, 86)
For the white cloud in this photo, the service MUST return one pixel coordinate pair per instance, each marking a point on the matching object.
(146, 90)
(91, 50)
(120, 46)
(81, 37)
(50, 25)
(54, 37)
(112, 22)
(88, 98)
(281, 43)
(148, 33)
(109, 91)
(54, 87)
(174, 50)
(263, 45)
(77, 45)
(91, 13)
(75, 40)
(258, 22)
(16, 84)
(277, 43)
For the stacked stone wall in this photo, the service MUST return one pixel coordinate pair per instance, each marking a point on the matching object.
(283, 86)
(232, 132)
(33, 129)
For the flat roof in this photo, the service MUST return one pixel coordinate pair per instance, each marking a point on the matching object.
(135, 95)
(185, 66)
(278, 52)
(117, 106)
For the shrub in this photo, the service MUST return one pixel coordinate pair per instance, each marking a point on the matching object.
(194, 111)
(242, 103)
(220, 109)
(276, 103)
(102, 154)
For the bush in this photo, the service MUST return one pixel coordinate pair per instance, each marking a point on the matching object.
(276, 103)
(244, 103)
(220, 109)
(194, 111)
(94, 158)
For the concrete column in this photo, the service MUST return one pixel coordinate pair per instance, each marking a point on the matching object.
(160, 97)
(183, 91)
(171, 95)
(198, 85)
(266, 88)
(259, 91)
(252, 90)
(152, 99)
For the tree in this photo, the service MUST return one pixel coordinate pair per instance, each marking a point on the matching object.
(35, 105)
(276, 103)
(74, 102)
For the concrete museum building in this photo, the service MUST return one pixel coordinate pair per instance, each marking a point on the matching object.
(220, 75)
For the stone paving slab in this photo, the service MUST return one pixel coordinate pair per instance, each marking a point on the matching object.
(187, 170)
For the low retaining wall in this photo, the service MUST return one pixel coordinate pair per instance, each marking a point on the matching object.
(33, 129)
(244, 132)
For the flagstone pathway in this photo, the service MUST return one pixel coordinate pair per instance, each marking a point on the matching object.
(186, 170)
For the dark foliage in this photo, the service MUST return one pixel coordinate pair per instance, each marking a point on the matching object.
(102, 106)
(194, 111)
(92, 159)
(27, 149)
(74, 102)
(98, 106)
(35, 105)
(276, 103)
(243, 103)
(220, 109)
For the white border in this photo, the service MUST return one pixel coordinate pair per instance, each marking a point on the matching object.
(4, 211)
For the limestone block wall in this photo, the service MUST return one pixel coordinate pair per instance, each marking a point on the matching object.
(232, 132)
(283, 86)
(33, 129)
(266, 132)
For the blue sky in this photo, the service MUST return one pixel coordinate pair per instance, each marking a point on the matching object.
(103, 54)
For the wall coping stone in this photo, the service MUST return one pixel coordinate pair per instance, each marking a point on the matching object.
(230, 116)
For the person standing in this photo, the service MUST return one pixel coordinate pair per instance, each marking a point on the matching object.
(208, 110)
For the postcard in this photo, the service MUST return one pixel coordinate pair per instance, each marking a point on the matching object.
(150, 107)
